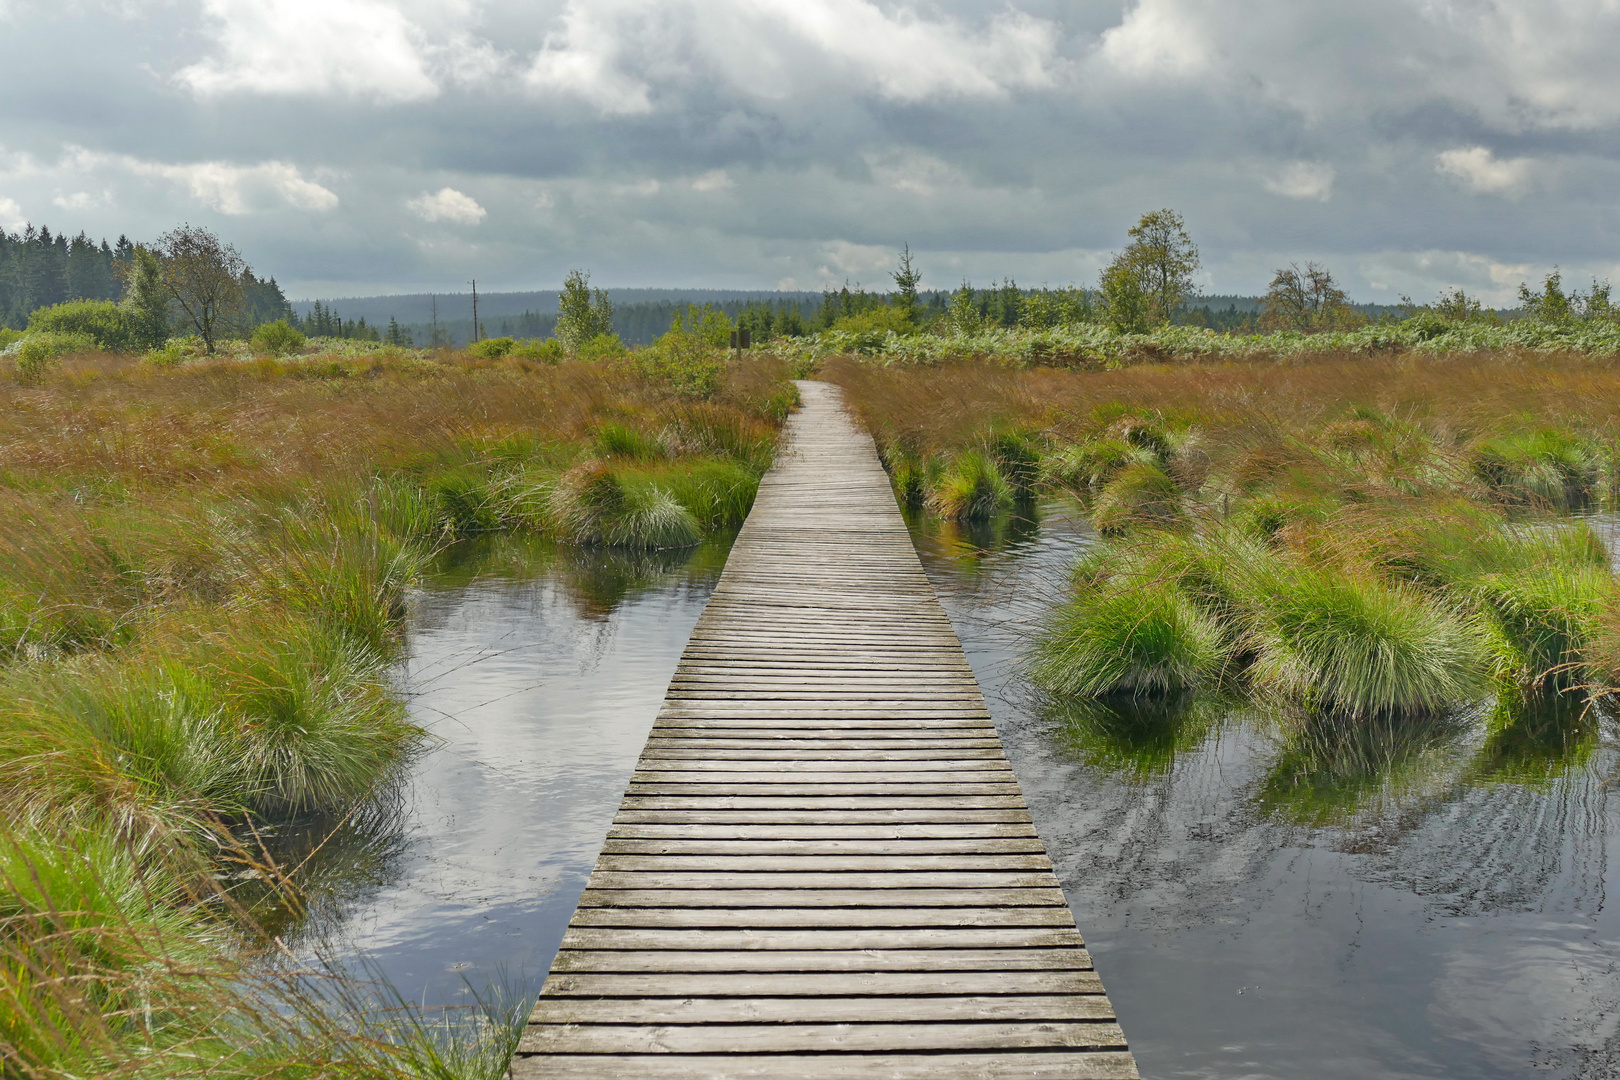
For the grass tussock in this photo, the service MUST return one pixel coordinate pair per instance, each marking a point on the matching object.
(204, 575)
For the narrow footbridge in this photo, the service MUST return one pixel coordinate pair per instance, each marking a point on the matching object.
(823, 867)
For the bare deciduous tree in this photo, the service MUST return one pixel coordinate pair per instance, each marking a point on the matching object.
(205, 278)
(1307, 299)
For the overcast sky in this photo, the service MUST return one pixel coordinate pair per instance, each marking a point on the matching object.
(360, 146)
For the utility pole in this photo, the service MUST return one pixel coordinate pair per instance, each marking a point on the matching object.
(435, 338)
(475, 309)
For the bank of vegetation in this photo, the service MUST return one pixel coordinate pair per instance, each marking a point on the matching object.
(205, 567)
(1344, 539)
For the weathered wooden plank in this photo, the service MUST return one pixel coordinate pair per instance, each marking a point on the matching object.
(989, 1065)
(791, 863)
(694, 831)
(627, 894)
(820, 1010)
(973, 937)
(830, 960)
(788, 1038)
(879, 816)
(967, 769)
(888, 803)
(799, 846)
(877, 984)
(807, 918)
(787, 879)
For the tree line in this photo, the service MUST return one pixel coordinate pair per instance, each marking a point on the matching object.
(41, 269)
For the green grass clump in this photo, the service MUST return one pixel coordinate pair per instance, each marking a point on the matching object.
(1017, 455)
(1140, 495)
(970, 488)
(1142, 637)
(717, 493)
(1548, 467)
(625, 441)
(591, 505)
(1543, 621)
(1360, 646)
(1085, 466)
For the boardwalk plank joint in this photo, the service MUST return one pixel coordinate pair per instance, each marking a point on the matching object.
(823, 866)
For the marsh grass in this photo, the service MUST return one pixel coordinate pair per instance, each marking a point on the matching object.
(1372, 536)
(107, 969)
(970, 487)
(1136, 637)
(1362, 647)
(205, 570)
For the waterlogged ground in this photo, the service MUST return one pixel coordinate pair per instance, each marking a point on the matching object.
(1425, 900)
(538, 672)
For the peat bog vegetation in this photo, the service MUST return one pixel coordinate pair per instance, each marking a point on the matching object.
(204, 575)
(208, 546)
(1347, 542)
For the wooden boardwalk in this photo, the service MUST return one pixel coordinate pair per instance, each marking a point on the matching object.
(823, 866)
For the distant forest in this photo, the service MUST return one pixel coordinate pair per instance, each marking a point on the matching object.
(39, 268)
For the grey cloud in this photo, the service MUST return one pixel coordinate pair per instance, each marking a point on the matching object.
(1410, 145)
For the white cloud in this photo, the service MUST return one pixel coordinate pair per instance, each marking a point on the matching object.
(845, 259)
(241, 189)
(11, 215)
(714, 180)
(447, 204)
(1155, 38)
(642, 189)
(79, 200)
(621, 55)
(1302, 180)
(1482, 172)
(363, 48)
(1426, 274)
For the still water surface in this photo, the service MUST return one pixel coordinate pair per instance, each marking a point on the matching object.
(1424, 900)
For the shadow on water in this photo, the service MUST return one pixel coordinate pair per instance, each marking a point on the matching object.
(1328, 767)
(1275, 896)
(1538, 738)
(1136, 738)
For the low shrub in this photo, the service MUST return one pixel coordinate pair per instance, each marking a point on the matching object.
(100, 320)
(278, 338)
(37, 353)
(492, 348)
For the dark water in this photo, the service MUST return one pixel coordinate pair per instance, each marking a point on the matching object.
(1421, 900)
